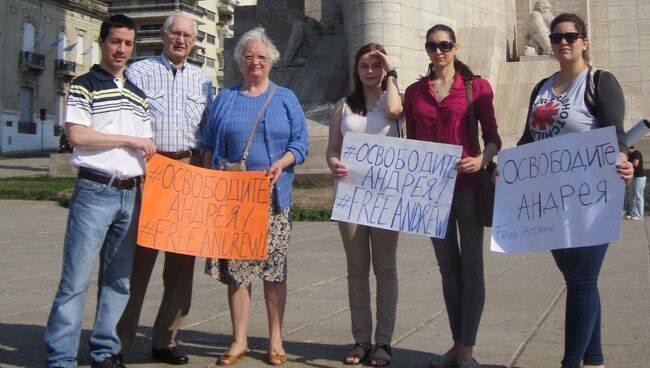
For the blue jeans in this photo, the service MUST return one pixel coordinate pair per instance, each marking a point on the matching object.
(102, 221)
(635, 197)
(580, 267)
(461, 267)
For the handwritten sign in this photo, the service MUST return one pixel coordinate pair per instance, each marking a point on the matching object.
(396, 184)
(201, 212)
(558, 193)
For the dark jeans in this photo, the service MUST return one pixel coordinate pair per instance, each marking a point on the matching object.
(580, 267)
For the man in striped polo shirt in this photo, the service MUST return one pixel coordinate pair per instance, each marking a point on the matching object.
(179, 94)
(108, 125)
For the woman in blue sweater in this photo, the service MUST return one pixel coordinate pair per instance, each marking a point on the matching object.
(279, 143)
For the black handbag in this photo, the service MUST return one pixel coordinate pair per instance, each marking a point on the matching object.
(483, 184)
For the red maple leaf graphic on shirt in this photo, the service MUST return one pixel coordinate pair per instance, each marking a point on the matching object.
(544, 115)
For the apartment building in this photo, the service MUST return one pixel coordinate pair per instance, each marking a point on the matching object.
(214, 17)
(44, 43)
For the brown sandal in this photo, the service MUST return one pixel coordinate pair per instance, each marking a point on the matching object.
(230, 359)
(275, 358)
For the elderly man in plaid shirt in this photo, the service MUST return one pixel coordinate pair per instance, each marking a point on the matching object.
(179, 95)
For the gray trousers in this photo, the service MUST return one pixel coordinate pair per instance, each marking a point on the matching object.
(461, 267)
(363, 245)
(178, 276)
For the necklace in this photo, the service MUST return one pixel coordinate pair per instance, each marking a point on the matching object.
(441, 86)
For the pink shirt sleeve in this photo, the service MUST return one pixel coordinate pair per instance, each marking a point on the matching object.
(484, 108)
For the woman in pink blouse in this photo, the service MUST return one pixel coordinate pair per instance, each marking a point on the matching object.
(437, 111)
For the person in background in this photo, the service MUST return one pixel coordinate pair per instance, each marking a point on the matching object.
(108, 124)
(436, 110)
(636, 189)
(580, 266)
(373, 107)
(64, 144)
(279, 143)
(179, 93)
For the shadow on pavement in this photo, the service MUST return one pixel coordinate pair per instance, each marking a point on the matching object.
(22, 345)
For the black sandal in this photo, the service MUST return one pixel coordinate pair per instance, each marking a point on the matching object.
(359, 352)
(385, 357)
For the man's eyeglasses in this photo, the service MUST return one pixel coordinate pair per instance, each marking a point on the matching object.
(177, 35)
(443, 46)
(570, 37)
(261, 58)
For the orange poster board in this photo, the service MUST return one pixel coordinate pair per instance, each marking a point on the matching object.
(202, 212)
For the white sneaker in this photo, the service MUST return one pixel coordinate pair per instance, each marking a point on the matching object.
(636, 218)
(629, 217)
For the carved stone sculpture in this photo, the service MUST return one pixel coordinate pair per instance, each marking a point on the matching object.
(539, 21)
(303, 39)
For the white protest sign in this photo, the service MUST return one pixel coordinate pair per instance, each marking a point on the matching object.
(558, 193)
(396, 184)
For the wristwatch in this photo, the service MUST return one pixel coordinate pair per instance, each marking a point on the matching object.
(392, 73)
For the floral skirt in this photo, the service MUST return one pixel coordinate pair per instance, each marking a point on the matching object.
(240, 273)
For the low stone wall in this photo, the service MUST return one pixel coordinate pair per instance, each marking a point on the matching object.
(60, 165)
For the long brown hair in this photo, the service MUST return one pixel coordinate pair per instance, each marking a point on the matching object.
(356, 100)
(578, 23)
(460, 67)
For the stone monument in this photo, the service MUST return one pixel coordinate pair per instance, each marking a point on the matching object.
(539, 21)
(494, 36)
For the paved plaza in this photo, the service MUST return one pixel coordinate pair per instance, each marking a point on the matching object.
(522, 325)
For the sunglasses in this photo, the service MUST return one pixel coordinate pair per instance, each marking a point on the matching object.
(443, 46)
(570, 37)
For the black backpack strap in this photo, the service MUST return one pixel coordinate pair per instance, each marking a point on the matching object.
(527, 137)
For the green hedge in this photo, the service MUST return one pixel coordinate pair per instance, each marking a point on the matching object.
(50, 188)
(43, 187)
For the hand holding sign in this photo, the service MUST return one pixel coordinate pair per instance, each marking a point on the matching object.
(201, 212)
(558, 193)
(396, 184)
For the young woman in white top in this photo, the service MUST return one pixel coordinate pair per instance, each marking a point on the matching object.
(373, 107)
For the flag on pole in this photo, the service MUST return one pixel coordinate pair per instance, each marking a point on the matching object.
(86, 51)
(37, 43)
(70, 47)
(80, 57)
(57, 42)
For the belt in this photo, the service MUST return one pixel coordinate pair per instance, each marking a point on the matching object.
(177, 155)
(124, 184)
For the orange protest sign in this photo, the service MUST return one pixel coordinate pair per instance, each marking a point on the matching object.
(202, 212)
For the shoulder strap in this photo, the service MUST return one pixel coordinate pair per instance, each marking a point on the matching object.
(533, 95)
(257, 120)
(590, 90)
(472, 123)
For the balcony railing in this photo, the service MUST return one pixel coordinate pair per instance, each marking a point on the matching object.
(65, 67)
(157, 8)
(225, 9)
(32, 60)
(196, 59)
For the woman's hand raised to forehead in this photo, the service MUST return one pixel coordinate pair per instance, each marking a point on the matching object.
(385, 62)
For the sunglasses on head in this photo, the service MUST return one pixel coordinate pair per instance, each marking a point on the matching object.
(443, 46)
(570, 37)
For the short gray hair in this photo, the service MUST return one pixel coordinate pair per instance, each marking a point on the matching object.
(257, 34)
(170, 19)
